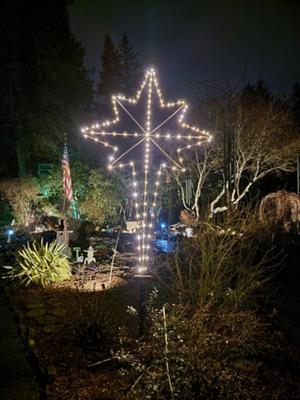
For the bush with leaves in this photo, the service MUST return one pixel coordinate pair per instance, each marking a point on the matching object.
(51, 186)
(205, 338)
(208, 354)
(40, 264)
(103, 199)
(93, 328)
(229, 263)
(99, 197)
(22, 197)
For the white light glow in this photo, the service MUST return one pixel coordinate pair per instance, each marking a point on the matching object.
(150, 135)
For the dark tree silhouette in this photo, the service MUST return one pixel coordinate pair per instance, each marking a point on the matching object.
(130, 66)
(120, 69)
(44, 89)
(110, 71)
(257, 93)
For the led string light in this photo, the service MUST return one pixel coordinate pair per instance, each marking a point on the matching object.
(135, 197)
(137, 206)
(106, 144)
(145, 203)
(157, 182)
(97, 129)
(115, 161)
(145, 229)
(188, 147)
(113, 133)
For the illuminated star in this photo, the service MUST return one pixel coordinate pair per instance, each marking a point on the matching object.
(150, 135)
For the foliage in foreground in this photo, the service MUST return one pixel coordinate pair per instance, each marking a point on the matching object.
(93, 331)
(102, 202)
(40, 264)
(205, 353)
(21, 194)
(229, 264)
(206, 339)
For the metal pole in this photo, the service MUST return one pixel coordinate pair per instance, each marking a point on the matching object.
(142, 286)
(142, 307)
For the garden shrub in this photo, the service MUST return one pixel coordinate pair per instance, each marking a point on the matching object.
(93, 330)
(206, 339)
(229, 264)
(22, 197)
(40, 264)
(211, 354)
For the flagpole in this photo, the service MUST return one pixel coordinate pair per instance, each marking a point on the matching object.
(65, 231)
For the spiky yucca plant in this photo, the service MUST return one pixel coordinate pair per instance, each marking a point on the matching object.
(40, 264)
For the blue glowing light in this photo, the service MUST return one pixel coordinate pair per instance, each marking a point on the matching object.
(163, 225)
(10, 232)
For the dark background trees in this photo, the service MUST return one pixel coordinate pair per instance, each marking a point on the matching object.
(120, 69)
(46, 93)
(44, 87)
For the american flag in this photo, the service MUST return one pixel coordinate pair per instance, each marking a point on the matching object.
(67, 180)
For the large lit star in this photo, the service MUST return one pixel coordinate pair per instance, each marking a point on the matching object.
(150, 135)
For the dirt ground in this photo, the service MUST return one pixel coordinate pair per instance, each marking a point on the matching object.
(17, 379)
(59, 327)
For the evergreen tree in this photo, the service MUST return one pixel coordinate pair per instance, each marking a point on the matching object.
(119, 70)
(110, 72)
(44, 89)
(257, 93)
(10, 91)
(130, 66)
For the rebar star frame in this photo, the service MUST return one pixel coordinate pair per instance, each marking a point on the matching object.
(149, 136)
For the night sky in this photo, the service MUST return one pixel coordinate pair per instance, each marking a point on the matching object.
(199, 40)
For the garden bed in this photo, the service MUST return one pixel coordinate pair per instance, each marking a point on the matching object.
(71, 325)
